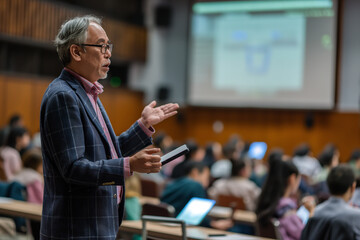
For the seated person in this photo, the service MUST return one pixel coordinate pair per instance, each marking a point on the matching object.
(238, 185)
(31, 175)
(196, 153)
(354, 162)
(276, 199)
(179, 192)
(341, 183)
(328, 158)
(132, 200)
(307, 165)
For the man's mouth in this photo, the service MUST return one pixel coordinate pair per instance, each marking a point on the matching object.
(106, 65)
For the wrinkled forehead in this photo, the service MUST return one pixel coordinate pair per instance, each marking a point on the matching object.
(96, 34)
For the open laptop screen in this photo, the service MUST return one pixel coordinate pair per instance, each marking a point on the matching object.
(195, 210)
(257, 150)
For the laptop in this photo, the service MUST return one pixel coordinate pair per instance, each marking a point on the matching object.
(194, 211)
(257, 150)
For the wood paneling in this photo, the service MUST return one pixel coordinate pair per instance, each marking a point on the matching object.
(23, 95)
(40, 21)
(279, 128)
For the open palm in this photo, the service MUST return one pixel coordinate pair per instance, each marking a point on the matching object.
(152, 115)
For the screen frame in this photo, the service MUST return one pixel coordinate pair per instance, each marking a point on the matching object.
(334, 73)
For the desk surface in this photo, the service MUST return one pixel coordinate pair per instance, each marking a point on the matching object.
(174, 232)
(20, 209)
(33, 211)
(241, 216)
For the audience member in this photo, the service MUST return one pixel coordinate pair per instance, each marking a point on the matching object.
(193, 184)
(238, 185)
(222, 167)
(276, 200)
(132, 202)
(307, 165)
(19, 139)
(354, 162)
(196, 153)
(213, 153)
(14, 121)
(335, 218)
(163, 141)
(11, 161)
(355, 199)
(31, 175)
(328, 158)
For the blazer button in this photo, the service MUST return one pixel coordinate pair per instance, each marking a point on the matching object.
(115, 195)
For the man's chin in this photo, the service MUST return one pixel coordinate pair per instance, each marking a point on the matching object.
(103, 76)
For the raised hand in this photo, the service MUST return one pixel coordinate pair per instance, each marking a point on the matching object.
(152, 115)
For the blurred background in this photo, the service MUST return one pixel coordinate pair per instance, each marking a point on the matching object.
(282, 72)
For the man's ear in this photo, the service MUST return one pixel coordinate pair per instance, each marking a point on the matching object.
(75, 52)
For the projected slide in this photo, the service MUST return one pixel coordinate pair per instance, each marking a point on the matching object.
(272, 54)
(250, 53)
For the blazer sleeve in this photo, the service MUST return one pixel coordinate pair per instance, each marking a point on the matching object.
(133, 140)
(65, 142)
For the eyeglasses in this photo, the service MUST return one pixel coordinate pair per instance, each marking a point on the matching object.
(104, 47)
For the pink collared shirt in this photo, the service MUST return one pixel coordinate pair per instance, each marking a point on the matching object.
(93, 90)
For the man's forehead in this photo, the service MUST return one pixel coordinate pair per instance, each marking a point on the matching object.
(96, 33)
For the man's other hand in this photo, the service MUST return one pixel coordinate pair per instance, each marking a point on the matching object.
(146, 161)
(152, 115)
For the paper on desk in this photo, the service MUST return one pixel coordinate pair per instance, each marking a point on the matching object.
(5, 200)
(232, 237)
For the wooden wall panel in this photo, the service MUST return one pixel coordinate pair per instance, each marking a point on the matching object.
(2, 99)
(18, 98)
(40, 22)
(279, 128)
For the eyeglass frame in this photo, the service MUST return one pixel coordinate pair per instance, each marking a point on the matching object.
(108, 46)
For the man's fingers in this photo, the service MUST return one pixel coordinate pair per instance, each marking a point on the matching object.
(170, 114)
(152, 150)
(169, 107)
(152, 104)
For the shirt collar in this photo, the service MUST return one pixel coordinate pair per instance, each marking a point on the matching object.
(92, 88)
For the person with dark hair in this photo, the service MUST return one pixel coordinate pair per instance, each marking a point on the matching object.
(335, 218)
(14, 121)
(276, 200)
(328, 158)
(85, 162)
(308, 165)
(196, 153)
(238, 185)
(179, 192)
(31, 175)
(19, 139)
(354, 162)
(213, 153)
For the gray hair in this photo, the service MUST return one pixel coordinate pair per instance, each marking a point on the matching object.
(73, 31)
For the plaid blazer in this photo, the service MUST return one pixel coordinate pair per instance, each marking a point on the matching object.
(80, 200)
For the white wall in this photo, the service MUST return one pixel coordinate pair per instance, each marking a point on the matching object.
(349, 92)
(166, 56)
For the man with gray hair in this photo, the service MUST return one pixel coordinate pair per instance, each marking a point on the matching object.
(84, 161)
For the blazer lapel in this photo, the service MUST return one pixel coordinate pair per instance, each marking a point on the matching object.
(79, 90)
